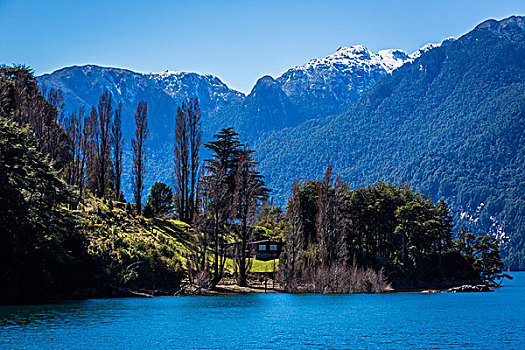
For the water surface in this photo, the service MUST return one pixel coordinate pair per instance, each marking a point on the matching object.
(409, 320)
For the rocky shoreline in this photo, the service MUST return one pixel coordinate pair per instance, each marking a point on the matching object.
(232, 289)
(466, 288)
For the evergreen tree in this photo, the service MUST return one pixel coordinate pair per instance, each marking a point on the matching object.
(160, 199)
(226, 151)
(35, 229)
(22, 101)
(216, 195)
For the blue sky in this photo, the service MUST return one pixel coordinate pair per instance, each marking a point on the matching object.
(239, 41)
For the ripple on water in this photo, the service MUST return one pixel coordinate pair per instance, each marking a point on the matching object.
(269, 321)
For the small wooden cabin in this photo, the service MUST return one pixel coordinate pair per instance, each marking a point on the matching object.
(267, 249)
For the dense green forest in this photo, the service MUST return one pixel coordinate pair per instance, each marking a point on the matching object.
(399, 235)
(67, 232)
(451, 124)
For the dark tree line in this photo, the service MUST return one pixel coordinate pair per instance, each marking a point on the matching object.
(22, 101)
(334, 231)
(38, 248)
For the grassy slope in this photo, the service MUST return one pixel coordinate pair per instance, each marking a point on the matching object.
(133, 252)
(141, 252)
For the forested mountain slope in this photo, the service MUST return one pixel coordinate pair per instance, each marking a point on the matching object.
(319, 88)
(451, 123)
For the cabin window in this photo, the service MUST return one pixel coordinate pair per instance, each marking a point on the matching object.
(262, 247)
(273, 247)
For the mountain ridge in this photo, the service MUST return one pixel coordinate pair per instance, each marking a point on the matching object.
(450, 123)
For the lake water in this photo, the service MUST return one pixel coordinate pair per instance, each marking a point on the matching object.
(445, 320)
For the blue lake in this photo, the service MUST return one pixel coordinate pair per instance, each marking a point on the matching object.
(408, 320)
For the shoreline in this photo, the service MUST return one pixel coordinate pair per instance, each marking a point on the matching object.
(234, 289)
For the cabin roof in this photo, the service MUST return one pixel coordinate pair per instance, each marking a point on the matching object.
(263, 241)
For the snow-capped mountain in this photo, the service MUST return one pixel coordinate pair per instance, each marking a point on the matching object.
(207, 87)
(164, 92)
(431, 46)
(330, 85)
(83, 85)
(321, 87)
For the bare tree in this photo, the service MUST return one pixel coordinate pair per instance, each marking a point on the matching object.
(118, 145)
(215, 199)
(98, 129)
(188, 135)
(91, 131)
(293, 212)
(138, 144)
(85, 154)
(250, 192)
(105, 113)
(74, 173)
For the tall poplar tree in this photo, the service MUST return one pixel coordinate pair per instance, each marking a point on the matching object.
(188, 135)
(138, 143)
(118, 145)
(104, 168)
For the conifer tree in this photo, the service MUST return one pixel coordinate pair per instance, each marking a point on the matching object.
(160, 199)
(216, 194)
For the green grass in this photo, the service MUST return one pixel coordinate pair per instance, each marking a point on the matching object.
(265, 266)
(257, 265)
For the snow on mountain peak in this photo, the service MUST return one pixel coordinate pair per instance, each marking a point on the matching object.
(393, 58)
(431, 46)
(358, 57)
(177, 82)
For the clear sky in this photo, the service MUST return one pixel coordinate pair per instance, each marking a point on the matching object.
(239, 41)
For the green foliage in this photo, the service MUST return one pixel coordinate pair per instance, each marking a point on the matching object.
(148, 211)
(160, 201)
(386, 226)
(226, 150)
(38, 244)
(21, 100)
(482, 253)
(307, 199)
(131, 253)
(48, 251)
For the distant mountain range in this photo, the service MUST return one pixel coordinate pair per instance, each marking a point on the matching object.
(448, 119)
(322, 87)
(319, 88)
